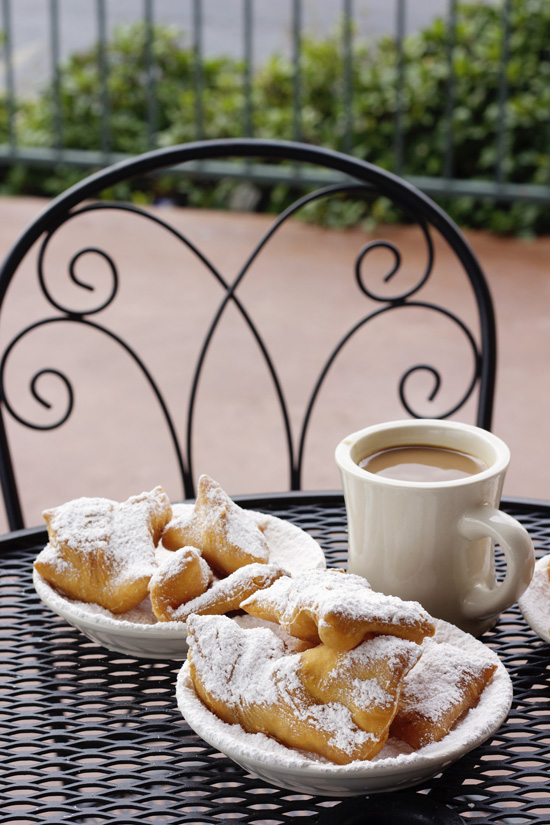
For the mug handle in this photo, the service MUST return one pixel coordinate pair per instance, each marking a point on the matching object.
(486, 521)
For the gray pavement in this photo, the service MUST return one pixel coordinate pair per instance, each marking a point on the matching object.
(303, 297)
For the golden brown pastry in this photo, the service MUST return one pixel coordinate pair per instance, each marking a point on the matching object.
(181, 577)
(227, 536)
(445, 683)
(103, 551)
(227, 594)
(337, 705)
(338, 609)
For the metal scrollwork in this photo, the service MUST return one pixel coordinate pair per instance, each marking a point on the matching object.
(435, 373)
(76, 279)
(34, 381)
(382, 244)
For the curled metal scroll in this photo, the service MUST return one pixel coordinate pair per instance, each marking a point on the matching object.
(380, 244)
(33, 384)
(186, 469)
(404, 378)
(73, 275)
(67, 383)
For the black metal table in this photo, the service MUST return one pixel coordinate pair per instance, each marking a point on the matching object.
(91, 736)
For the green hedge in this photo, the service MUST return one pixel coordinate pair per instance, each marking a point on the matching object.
(475, 119)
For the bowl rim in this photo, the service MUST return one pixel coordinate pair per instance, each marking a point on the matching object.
(529, 602)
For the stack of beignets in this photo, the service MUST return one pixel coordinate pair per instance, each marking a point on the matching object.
(107, 553)
(246, 677)
(368, 668)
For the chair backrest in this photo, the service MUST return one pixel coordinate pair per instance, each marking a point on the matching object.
(93, 270)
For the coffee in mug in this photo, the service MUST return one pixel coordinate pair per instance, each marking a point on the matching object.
(427, 538)
(417, 462)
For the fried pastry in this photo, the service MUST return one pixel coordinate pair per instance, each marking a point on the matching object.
(181, 577)
(339, 609)
(445, 683)
(227, 536)
(103, 551)
(246, 677)
(227, 594)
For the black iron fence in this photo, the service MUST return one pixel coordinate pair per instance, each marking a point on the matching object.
(498, 182)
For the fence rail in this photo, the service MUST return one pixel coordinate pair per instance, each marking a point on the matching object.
(246, 26)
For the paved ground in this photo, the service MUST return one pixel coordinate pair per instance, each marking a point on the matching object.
(302, 295)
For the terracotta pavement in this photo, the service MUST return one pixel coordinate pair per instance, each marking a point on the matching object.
(302, 294)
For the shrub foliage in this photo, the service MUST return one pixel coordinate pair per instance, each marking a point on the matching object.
(488, 141)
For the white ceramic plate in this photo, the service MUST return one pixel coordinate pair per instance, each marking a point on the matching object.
(138, 633)
(392, 769)
(535, 602)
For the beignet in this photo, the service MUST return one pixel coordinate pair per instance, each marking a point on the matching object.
(227, 536)
(179, 579)
(103, 551)
(247, 677)
(445, 683)
(338, 609)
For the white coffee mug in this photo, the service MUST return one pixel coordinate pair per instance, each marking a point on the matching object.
(433, 541)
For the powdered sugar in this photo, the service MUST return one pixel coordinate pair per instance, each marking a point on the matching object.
(289, 546)
(118, 531)
(367, 692)
(226, 594)
(445, 666)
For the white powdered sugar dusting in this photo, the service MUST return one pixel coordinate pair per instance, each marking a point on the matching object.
(367, 692)
(117, 531)
(241, 530)
(228, 659)
(345, 595)
(224, 589)
(434, 685)
(252, 667)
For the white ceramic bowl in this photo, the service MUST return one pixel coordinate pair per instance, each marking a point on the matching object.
(392, 769)
(535, 602)
(138, 633)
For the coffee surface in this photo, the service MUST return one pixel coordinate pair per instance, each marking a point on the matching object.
(416, 462)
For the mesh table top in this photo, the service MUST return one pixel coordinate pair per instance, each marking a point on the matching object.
(92, 736)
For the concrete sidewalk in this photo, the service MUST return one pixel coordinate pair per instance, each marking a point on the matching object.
(166, 300)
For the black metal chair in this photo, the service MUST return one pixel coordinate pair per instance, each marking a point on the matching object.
(345, 177)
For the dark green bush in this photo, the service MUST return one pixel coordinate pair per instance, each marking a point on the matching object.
(475, 124)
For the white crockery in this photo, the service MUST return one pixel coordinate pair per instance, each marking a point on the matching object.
(390, 770)
(138, 633)
(429, 541)
(535, 602)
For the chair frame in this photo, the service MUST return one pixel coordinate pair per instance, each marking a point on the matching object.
(345, 174)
